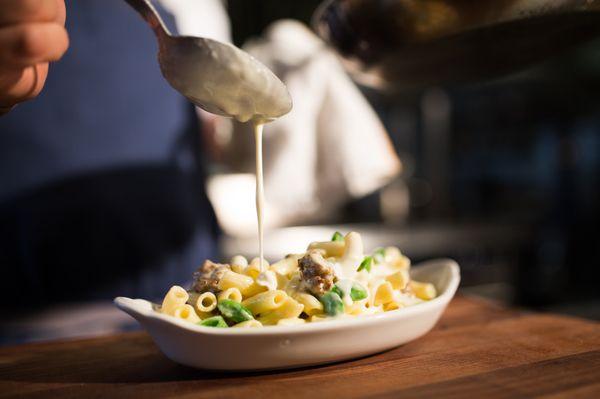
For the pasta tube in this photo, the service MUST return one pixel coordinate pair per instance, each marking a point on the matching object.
(357, 308)
(331, 248)
(238, 264)
(384, 294)
(425, 291)
(176, 297)
(399, 280)
(254, 268)
(290, 309)
(245, 284)
(248, 324)
(203, 303)
(311, 304)
(231, 293)
(265, 301)
(186, 312)
(392, 306)
(286, 266)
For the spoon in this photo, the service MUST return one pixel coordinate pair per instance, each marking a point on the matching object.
(216, 76)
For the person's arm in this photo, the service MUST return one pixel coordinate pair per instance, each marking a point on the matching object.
(32, 34)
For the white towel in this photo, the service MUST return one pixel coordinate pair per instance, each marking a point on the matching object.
(331, 147)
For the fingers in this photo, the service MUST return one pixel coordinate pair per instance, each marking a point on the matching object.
(21, 85)
(29, 44)
(22, 11)
(32, 34)
(61, 14)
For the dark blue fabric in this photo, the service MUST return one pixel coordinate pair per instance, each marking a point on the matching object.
(101, 187)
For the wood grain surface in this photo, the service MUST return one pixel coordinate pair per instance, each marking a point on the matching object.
(477, 350)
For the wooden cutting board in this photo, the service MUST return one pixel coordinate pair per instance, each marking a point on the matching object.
(477, 350)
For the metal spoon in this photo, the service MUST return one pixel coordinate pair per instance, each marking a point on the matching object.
(216, 76)
(406, 43)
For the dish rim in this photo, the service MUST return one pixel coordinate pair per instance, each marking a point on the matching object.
(131, 306)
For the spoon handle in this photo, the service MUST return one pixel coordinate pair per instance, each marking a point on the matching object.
(151, 16)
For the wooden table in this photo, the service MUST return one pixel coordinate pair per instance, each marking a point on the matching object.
(477, 350)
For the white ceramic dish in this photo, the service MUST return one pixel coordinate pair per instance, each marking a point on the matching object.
(296, 346)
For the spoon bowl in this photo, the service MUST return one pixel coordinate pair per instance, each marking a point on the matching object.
(218, 77)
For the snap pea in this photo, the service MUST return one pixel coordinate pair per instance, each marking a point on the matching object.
(215, 321)
(366, 264)
(337, 236)
(357, 292)
(337, 290)
(234, 311)
(332, 304)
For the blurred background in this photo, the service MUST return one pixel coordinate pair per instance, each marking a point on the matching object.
(501, 174)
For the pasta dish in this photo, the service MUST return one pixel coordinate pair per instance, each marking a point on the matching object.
(332, 279)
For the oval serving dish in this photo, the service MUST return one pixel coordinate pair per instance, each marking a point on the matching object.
(278, 347)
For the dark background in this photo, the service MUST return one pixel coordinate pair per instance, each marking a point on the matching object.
(508, 171)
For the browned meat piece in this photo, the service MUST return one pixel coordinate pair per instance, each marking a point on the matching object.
(207, 277)
(316, 273)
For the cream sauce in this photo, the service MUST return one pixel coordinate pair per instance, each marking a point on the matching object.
(345, 285)
(266, 278)
(260, 190)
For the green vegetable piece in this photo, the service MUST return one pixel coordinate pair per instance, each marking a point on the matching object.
(234, 311)
(337, 236)
(379, 255)
(366, 264)
(337, 290)
(215, 321)
(332, 304)
(358, 292)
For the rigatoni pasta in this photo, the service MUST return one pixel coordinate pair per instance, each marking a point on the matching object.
(232, 293)
(331, 279)
(176, 297)
(265, 301)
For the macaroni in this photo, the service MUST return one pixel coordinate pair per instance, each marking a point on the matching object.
(203, 303)
(288, 310)
(186, 312)
(176, 297)
(265, 301)
(238, 264)
(231, 293)
(331, 279)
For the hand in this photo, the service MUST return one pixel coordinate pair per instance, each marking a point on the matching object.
(32, 34)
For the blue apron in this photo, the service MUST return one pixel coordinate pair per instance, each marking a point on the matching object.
(101, 183)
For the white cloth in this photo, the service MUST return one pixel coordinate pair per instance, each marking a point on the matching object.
(205, 18)
(331, 147)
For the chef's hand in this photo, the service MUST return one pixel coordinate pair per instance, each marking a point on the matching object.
(32, 33)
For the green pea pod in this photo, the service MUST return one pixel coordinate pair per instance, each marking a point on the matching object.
(338, 291)
(366, 264)
(358, 292)
(215, 321)
(337, 236)
(332, 304)
(234, 311)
